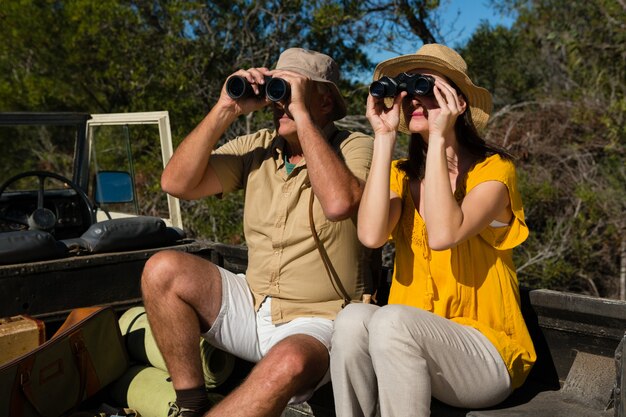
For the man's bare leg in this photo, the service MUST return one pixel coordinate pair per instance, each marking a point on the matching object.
(182, 294)
(290, 367)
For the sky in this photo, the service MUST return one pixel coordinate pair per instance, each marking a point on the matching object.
(467, 15)
(463, 15)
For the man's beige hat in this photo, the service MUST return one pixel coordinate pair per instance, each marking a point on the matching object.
(318, 67)
(450, 64)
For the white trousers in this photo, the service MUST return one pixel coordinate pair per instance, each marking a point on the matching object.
(392, 359)
(250, 334)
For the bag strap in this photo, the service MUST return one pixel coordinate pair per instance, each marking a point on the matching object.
(328, 265)
(24, 376)
(88, 377)
(16, 407)
(89, 381)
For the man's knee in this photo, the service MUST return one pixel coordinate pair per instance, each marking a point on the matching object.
(159, 271)
(298, 358)
(183, 273)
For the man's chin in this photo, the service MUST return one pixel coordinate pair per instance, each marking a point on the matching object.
(286, 127)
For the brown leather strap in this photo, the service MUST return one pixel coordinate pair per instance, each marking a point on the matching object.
(328, 265)
(90, 383)
(88, 377)
(16, 406)
(25, 377)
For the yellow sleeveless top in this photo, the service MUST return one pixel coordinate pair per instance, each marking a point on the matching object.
(474, 283)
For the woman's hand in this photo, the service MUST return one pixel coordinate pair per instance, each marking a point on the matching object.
(384, 120)
(451, 106)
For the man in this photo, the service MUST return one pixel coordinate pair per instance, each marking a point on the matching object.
(280, 314)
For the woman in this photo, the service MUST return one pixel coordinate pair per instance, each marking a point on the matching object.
(453, 328)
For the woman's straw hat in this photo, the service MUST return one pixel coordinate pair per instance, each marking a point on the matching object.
(449, 63)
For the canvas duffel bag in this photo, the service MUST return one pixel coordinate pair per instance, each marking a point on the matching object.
(83, 356)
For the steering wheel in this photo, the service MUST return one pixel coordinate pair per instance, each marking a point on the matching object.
(43, 218)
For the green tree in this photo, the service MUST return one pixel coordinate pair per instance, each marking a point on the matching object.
(557, 77)
(142, 55)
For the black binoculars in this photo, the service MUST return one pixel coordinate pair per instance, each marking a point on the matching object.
(414, 84)
(275, 89)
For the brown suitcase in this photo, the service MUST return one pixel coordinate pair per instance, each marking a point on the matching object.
(19, 335)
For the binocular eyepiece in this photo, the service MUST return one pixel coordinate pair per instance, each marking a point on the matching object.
(413, 84)
(275, 89)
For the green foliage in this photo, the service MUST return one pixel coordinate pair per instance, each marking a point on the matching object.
(558, 81)
(557, 77)
(48, 148)
(494, 57)
(107, 56)
(221, 218)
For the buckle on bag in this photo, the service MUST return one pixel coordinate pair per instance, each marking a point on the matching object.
(24, 377)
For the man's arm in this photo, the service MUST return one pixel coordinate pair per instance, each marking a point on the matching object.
(188, 174)
(337, 188)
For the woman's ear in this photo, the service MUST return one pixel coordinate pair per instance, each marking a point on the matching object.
(463, 103)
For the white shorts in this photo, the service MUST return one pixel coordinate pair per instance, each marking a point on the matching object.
(249, 335)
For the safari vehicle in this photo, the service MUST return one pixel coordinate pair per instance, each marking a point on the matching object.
(72, 234)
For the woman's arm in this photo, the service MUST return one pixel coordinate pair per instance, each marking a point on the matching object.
(447, 222)
(380, 207)
(379, 210)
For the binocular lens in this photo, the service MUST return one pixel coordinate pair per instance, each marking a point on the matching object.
(277, 89)
(385, 87)
(377, 89)
(236, 87)
(423, 86)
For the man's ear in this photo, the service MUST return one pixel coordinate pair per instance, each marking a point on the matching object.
(328, 103)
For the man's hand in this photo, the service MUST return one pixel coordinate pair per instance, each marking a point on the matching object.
(188, 174)
(245, 105)
(301, 87)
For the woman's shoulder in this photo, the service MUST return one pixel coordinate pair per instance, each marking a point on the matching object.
(397, 168)
(492, 168)
(396, 162)
(397, 176)
(495, 162)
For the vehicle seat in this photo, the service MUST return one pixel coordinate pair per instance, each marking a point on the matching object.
(123, 234)
(127, 233)
(29, 246)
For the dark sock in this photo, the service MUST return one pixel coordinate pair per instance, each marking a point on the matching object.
(193, 398)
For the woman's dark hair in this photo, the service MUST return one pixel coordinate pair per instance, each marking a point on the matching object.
(468, 138)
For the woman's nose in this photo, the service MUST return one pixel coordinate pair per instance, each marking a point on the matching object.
(424, 101)
(415, 101)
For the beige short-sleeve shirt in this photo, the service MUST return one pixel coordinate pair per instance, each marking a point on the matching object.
(283, 259)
